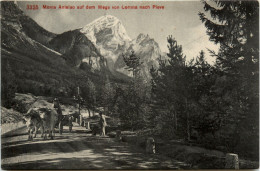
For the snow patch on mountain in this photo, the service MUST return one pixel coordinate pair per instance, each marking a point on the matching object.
(108, 34)
(104, 22)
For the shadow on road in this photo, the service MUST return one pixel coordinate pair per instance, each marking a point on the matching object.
(80, 152)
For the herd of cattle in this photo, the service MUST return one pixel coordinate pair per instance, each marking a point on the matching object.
(46, 120)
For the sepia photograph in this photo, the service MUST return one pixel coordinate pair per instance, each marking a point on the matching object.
(129, 85)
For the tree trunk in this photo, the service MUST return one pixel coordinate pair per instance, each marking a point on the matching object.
(132, 125)
(80, 120)
(176, 122)
(188, 121)
(79, 107)
(88, 113)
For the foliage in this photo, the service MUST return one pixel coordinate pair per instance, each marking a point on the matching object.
(132, 105)
(237, 86)
(108, 93)
(132, 101)
(170, 88)
(218, 102)
(8, 86)
(133, 63)
(88, 93)
(214, 105)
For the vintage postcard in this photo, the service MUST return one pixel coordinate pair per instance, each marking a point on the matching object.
(129, 85)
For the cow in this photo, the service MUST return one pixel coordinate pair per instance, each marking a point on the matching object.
(49, 118)
(33, 122)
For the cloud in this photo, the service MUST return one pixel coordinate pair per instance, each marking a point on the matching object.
(55, 20)
(65, 17)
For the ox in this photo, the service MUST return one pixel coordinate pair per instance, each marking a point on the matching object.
(49, 118)
(33, 123)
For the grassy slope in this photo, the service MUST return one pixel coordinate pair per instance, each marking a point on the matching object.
(38, 69)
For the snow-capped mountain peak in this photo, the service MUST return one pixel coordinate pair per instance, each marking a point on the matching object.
(109, 35)
(105, 24)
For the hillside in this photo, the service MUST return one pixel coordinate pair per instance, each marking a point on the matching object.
(37, 68)
(14, 16)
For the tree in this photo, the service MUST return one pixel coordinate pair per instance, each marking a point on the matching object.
(206, 118)
(235, 26)
(8, 86)
(135, 95)
(171, 91)
(133, 63)
(89, 95)
(108, 96)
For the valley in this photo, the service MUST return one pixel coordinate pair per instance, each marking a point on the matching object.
(105, 72)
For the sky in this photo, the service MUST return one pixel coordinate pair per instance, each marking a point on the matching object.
(178, 18)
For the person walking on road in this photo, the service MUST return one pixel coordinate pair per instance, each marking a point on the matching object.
(103, 124)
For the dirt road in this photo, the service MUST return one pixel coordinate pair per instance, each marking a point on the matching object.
(78, 150)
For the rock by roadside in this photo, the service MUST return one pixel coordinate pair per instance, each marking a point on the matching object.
(10, 116)
(10, 120)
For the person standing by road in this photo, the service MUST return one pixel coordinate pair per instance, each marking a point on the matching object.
(103, 124)
(70, 123)
(57, 107)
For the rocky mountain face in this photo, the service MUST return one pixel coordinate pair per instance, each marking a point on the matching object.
(109, 35)
(147, 49)
(15, 27)
(77, 50)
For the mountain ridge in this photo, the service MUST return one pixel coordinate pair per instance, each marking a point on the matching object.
(109, 35)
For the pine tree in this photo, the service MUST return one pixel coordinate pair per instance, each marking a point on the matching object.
(237, 34)
(137, 106)
(133, 63)
(205, 117)
(171, 91)
(235, 26)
